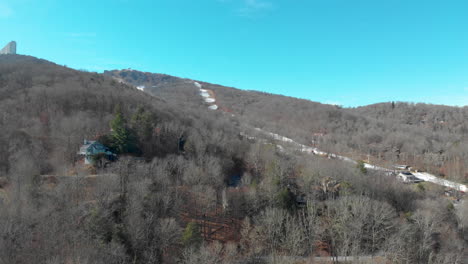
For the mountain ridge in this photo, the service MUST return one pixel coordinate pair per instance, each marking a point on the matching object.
(145, 74)
(380, 130)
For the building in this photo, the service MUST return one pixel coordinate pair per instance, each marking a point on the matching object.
(401, 167)
(10, 48)
(90, 149)
(408, 177)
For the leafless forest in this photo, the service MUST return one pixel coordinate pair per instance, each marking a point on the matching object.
(188, 187)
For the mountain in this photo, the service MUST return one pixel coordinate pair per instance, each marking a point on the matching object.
(49, 195)
(50, 109)
(428, 137)
(177, 182)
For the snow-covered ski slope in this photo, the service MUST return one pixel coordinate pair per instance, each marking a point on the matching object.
(207, 96)
(310, 150)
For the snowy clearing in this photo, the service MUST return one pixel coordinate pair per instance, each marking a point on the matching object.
(434, 179)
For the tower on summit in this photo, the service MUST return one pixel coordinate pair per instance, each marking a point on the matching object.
(10, 48)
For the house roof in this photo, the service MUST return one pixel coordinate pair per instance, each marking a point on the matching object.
(93, 147)
(84, 147)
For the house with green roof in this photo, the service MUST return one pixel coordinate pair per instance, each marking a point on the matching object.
(91, 149)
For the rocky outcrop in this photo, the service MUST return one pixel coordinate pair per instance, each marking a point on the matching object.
(10, 48)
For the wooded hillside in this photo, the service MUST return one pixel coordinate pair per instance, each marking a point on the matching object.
(187, 186)
(427, 137)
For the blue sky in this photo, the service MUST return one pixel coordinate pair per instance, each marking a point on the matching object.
(347, 52)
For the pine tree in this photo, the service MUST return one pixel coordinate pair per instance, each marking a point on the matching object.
(121, 136)
(142, 124)
(361, 165)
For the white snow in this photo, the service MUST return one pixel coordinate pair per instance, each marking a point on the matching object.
(421, 175)
(247, 136)
(373, 167)
(205, 94)
(280, 148)
(434, 179)
(346, 159)
(141, 88)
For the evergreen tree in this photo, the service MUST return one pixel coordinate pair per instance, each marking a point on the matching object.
(142, 124)
(361, 166)
(122, 140)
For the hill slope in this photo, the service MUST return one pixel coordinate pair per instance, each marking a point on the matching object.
(47, 111)
(55, 108)
(187, 185)
(429, 137)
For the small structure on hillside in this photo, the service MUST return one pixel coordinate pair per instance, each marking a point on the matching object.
(90, 150)
(408, 177)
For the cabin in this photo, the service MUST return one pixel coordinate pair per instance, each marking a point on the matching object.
(91, 148)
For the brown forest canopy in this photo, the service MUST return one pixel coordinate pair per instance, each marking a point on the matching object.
(430, 137)
(198, 191)
(47, 110)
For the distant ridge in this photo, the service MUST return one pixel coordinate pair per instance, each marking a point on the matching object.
(10, 48)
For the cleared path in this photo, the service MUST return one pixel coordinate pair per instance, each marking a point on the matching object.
(310, 150)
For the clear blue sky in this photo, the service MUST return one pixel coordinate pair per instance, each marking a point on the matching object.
(349, 52)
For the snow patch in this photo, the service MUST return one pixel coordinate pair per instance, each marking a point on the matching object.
(205, 94)
(373, 167)
(434, 179)
(421, 175)
(141, 88)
